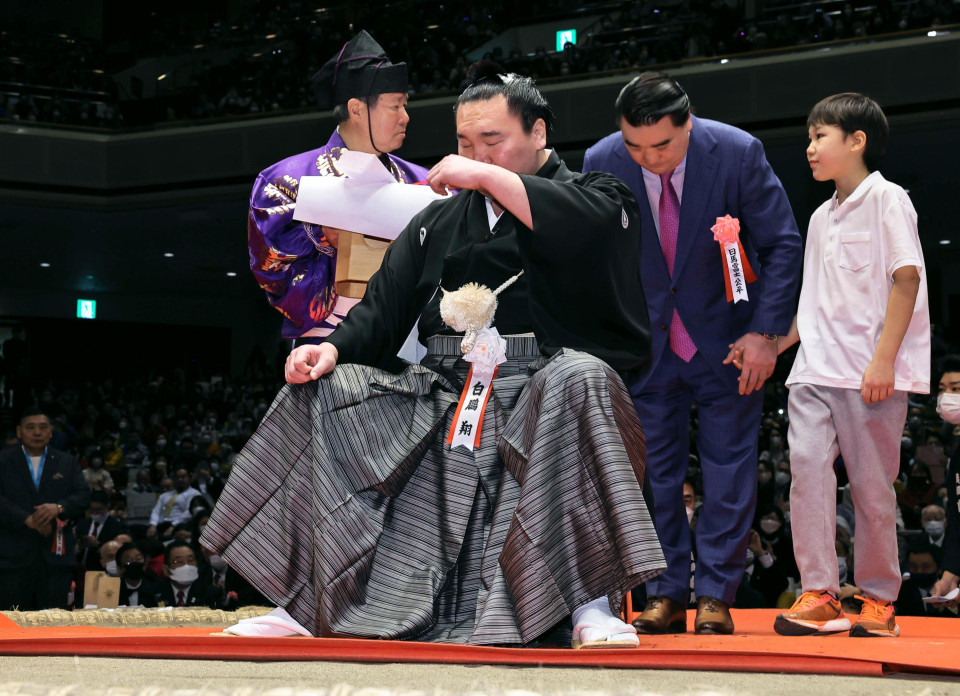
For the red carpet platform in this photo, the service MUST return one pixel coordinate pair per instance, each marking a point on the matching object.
(926, 646)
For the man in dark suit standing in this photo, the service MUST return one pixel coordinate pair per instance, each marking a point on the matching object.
(717, 293)
(42, 492)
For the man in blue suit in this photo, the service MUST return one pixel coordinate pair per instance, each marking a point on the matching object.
(711, 303)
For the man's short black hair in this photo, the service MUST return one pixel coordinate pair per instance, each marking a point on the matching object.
(342, 114)
(649, 97)
(175, 545)
(129, 546)
(852, 112)
(31, 411)
(920, 544)
(523, 98)
(99, 496)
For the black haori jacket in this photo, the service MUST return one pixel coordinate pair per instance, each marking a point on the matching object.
(580, 289)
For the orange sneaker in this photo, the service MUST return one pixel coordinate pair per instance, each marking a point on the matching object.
(813, 613)
(877, 619)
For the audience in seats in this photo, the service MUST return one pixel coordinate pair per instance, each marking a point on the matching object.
(166, 407)
(173, 506)
(97, 477)
(183, 585)
(261, 63)
(139, 582)
(96, 529)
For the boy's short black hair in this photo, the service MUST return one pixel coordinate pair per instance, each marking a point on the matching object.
(649, 97)
(852, 112)
(524, 100)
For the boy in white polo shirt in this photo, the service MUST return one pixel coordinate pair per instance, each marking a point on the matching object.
(864, 332)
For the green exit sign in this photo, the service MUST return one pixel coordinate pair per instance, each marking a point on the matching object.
(86, 309)
(565, 36)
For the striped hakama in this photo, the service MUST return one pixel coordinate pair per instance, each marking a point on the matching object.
(347, 508)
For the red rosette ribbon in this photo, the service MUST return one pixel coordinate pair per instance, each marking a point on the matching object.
(736, 266)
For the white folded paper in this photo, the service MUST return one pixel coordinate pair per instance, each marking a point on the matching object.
(940, 599)
(366, 200)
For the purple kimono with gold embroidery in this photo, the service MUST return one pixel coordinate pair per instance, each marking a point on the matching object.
(292, 260)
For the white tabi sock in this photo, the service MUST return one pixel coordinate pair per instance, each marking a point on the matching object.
(277, 624)
(595, 622)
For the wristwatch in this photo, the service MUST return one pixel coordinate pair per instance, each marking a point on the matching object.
(770, 337)
(59, 509)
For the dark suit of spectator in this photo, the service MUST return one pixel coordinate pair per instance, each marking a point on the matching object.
(145, 595)
(951, 540)
(200, 593)
(32, 574)
(104, 532)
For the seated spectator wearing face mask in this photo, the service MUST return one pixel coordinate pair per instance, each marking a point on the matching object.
(766, 483)
(108, 557)
(782, 478)
(776, 540)
(235, 592)
(183, 586)
(916, 495)
(138, 586)
(142, 483)
(182, 532)
(197, 504)
(934, 521)
(94, 530)
(776, 447)
(948, 406)
(763, 574)
(923, 564)
(98, 478)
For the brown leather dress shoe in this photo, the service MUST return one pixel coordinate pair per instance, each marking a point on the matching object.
(713, 617)
(662, 615)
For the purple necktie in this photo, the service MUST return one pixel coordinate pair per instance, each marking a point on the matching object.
(680, 341)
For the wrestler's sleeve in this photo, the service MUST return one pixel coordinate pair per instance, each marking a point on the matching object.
(582, 258)
(377, 326)
(767, 218)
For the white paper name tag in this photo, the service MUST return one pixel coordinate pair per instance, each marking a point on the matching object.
(738, 283)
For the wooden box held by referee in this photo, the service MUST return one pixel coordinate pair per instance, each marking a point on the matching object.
(358, 258)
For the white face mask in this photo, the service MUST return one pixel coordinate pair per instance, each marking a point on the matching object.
(782, 478)
(111, 568)
(769, 526)
(948, 406)
(934, 528)
(185, 574)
